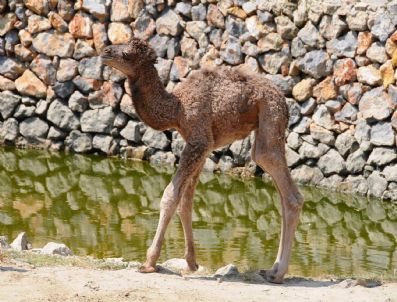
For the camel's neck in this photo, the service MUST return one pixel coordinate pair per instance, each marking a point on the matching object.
(154, 105)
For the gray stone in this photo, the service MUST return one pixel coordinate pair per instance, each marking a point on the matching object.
(78, 102)
(159, 44)
(310, 35)
(375, 105)
(127, 106)
(377, 184)
(120, 11)
(308, 106)
(97, 120)
(144, 26)
(55, 133)
(199, 12)
(369, 75)
(381, 25)
(163, 67)
(64, 89)
(120, 120)
(24, 111)
(331, 182)
(294, 111)
(82, 49)
(229, 271)
(331, 162)
(271, 61)
(345, 143)
(103, 142)
(8, 103)
(225, 163)
(41, 107)
(322, 117)
(377, 53)
(297, 48)
(348, 114)
(4, 243)
(355, 162)
(33, 127)
(285, 84)
(235, 27)
(53, 248)
(20, 243)
(54, 44)
(79, 142)
(177, 144)
(390, 172)
(62, 116)
(241, 151)
(67, 70)
(344, 46)
(292, 157)
(91, 68)
(11, 68)
(308, 150)
(334, 106)
(86, 85)
(163, 158)
(183, 8)
(168, 23)
(382, 134)
(381, 156)
(316, 64)
(9, 130)
(304, 174)
(43, 67)
(132, 132)
(294, 141)
(356, 184)
(231, 51)
(155, 139)
(303, 125)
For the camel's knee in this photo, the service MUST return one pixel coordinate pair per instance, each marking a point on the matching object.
(294, 203)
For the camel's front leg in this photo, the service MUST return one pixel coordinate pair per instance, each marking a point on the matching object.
(191, 161)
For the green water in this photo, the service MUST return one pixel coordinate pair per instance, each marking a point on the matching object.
(109, 208)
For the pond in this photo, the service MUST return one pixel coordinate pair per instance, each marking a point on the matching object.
(107, 207)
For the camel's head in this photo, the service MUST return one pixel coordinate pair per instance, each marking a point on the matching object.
(127, 58)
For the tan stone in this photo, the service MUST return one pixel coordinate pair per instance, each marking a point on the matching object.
(57, 22)
(23, 53)
(215, 17)
(325, 90)
(393, 37)
(29, 84)
(135, 7)
(7, 22)
(345, 71)
(303, 90)
(37, 24)
(81, 26)
(38, 6)
(6, 84)
(237, 12)
(25, 37)
(390, 47)
(387, 73)
(119, 33)
(364, 40)
(53, 44)
(394, 58)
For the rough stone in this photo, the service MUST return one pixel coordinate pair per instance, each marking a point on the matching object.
(355, 162)
(54, 44)
(168, 23)
(364, 40)
(331, 27)
(321, 134)
(357, 21)
(381, 156)
(62, 116)
(79, 142)
(304, 174)
(387, 74)
(215, 17)
(369, 75)
(180, 68)
(163, 158)
(159, 44)
(381, 26)
(231, 51)
(11, 68)
(155, 139)
(38, 24)
(375, 105)
(344, 71)
(119, 33)
(331, 162)
(103, 142)
(377, 184)
(6, 84)
(199, 12)
(132, 132)
(100, 37)
(297, 48)
(87, 85)
(30, 84)
(8, 103)
(272, 62)
(33, 127)
(91, 68)
(286, 28)
(67, 70)
(229, 271)
(325, 90)
(83, 49)
(356, 184)
(308, 106)
(57, 22)
(42, 66)
(315, 63)
(53, 248)
(7, 22)
(81, 26)
(308, 150)
(344, 46)
(310, 35)
(97, 120)
(20, 243)
(382, 134)
(78, 102)
(144, 26)
(322, 117)
(348, 114)
(271, 41)
(377, 53)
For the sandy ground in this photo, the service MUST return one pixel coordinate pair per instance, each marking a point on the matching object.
(23, 282)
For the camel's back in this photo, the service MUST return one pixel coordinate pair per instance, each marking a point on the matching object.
(227, 98)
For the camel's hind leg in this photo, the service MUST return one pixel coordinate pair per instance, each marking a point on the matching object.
(269, 153)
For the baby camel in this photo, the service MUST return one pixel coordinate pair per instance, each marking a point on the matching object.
(212, 108)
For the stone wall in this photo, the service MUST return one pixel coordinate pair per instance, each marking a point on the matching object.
(334, 60)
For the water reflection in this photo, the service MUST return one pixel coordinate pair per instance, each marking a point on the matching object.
(109, 208)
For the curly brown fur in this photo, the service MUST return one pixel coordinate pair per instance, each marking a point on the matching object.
(211, 108)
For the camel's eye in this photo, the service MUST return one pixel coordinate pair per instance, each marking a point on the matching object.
(125, 55)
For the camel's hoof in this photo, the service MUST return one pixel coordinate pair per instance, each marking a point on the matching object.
(146, 269)
(271, 276)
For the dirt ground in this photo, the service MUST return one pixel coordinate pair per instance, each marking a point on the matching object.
(24, 282)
